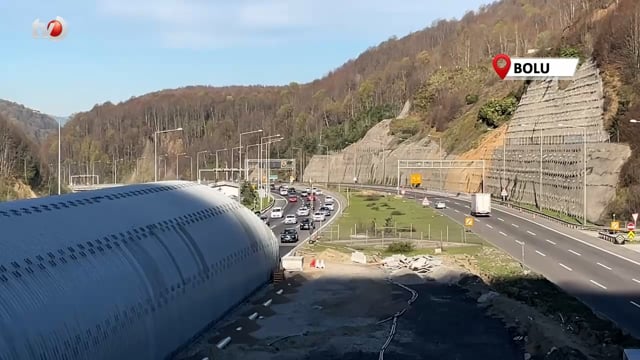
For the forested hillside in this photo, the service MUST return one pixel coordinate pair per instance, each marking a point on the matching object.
(341, 106)
(21, 169)
(36, 125)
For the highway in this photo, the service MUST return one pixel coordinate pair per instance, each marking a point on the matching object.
(277, 225)
(603, 275)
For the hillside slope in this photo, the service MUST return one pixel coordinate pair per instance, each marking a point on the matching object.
(36, 125)
(339, 108)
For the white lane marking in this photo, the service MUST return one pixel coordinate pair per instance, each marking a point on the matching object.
(574, 253)
(635, 304)
(531, 233)
(489, 226)
(519, 242)
(268, 302)
(514, 225)
(253, 316)
(456, 210)
(501, 219)
(574, 238)
(598, 284)
(550, 242)
(539, 253)
(279, 292)
(565, 266)
(503, 234)
(604, 266)
(636, 280)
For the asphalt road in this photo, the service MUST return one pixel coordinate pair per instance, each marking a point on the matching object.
(277, 225)
(603, 275)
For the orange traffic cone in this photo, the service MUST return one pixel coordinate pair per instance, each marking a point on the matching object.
(312, 263)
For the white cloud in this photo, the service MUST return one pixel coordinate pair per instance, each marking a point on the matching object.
(217, 23)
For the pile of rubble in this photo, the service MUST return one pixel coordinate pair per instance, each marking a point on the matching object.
(421, 264)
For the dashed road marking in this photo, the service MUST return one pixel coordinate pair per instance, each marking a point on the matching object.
(253, 316)
(604, 266)
(636, 280)
(456, 210)
(598, 284)
(514, 225)
(268, 302)
(635, 304)
(519, 242)
(574, 253)
(539, 253)
(565, 266)
(489, 226)
(279, 292)
(501, 219)
(503, 234)
(531, 233)
(550, 242)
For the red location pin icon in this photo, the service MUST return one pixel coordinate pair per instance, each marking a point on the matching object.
(502, 71)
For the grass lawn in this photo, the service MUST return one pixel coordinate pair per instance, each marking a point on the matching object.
(372, 214)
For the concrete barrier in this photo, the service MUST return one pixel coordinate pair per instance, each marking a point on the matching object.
(292, 263)
(358, 257)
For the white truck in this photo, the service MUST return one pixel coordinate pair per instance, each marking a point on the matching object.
(481, 204)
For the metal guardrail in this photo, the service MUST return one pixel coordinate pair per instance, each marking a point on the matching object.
(616, 238)
(467, 195)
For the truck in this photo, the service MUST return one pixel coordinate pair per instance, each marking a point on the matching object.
(481, 204)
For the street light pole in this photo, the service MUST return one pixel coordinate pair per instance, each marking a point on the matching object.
(217, 158)
(260, 157)
(240, 151)
(155, 151)
(198, 162)
(59, 158)
(178, 165)
(246, 168)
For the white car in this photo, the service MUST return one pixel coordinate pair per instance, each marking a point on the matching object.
(276, 213)
(318, 216)
(318, 192)
(284, 192)
(308, 190)
(329, 206)
(441, 205)
(328, 200)
(290, 219)
(303, 211)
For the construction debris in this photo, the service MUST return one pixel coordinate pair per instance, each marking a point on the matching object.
(420, 264)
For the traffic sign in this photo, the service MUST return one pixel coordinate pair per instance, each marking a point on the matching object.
(635, 217)
(615, 225)
(416, 179)
(631, 235)
(425, 201)
(468, 221)
(631, 226)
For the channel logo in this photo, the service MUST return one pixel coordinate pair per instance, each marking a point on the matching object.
(53, 30)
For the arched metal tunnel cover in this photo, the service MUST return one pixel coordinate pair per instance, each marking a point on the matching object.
(132, 272)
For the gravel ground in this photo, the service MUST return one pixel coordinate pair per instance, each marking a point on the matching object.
(335, 313)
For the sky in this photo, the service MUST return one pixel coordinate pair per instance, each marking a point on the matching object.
(116, 49)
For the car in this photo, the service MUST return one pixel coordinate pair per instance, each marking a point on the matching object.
(325, 210)
(311, 197)
(289, 236)
(329, 206)
(307, 224)
(276, 213)
(293, 198)
(441, 205)
(304, 193)
(303, 211)
(272, 187)
(318, 192)
(284, 192)
(290, 219)
(265, 219)
(318, 216)
(308, 190)
(328, 199)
